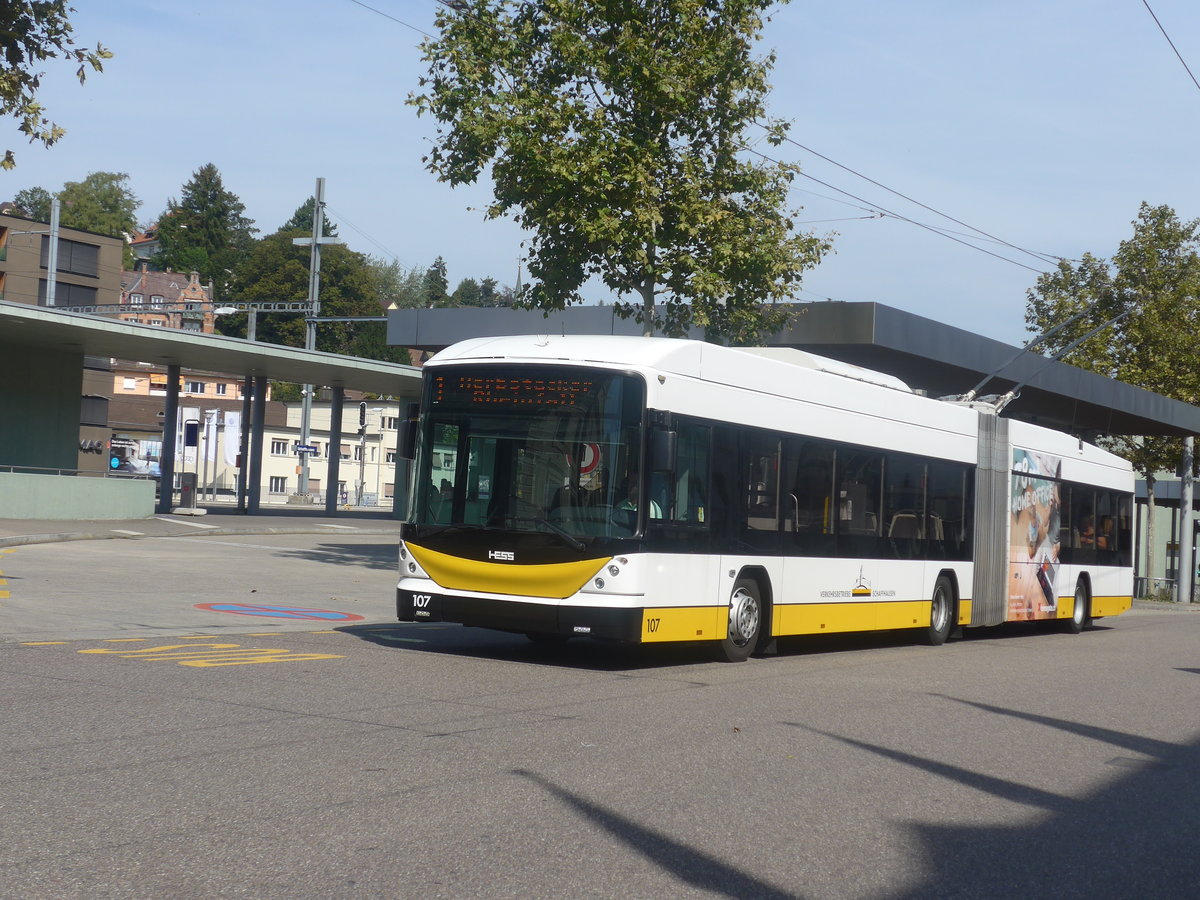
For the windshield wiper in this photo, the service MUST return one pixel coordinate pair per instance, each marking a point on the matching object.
(564, 534)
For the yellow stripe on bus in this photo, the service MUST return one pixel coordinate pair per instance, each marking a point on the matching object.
(827, 618)
(1110, 606)
(685, 623)
(556, 580)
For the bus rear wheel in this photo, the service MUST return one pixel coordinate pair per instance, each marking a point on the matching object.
(1081, 613)
(941, 613)
(745, 621)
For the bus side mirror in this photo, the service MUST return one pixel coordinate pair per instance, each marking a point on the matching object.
(662, 450)
(406, 438)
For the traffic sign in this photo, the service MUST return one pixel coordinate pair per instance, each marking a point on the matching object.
(306, 448)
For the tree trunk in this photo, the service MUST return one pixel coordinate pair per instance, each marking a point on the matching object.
(647, 292)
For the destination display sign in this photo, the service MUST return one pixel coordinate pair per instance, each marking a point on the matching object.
(500, 390)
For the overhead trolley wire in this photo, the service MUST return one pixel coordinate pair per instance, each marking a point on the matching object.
(1178, 55)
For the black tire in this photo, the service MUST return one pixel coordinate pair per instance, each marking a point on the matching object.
(745, 621)
(941, 613)
(1081, 613)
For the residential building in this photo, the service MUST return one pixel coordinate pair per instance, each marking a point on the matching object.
(166, 299)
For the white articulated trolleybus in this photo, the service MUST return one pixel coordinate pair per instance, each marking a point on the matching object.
(648, 489)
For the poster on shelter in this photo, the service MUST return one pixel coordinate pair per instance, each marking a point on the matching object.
(1035, 513)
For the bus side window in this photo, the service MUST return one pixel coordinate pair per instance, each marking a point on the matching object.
(760, 475)
(808, 508)
(691, 473)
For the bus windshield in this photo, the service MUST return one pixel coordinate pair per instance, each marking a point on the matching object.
(531, 449)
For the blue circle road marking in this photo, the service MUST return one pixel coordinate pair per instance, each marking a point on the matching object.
(280, 612)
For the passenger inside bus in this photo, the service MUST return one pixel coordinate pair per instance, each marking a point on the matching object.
(631, 488)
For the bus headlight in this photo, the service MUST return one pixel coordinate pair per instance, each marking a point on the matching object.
(599, 583)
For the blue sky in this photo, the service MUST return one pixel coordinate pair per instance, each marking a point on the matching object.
(1044, 124)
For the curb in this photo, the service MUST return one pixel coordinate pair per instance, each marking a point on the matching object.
(22, 540)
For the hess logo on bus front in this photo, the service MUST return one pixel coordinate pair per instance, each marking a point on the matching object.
(502, 555)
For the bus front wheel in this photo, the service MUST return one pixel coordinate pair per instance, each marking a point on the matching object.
(745, 621)
(941, 613)
(1081, 613)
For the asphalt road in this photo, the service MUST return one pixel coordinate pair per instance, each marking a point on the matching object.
(155, 749)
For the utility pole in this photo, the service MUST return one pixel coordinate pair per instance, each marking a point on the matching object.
(52, 255)
(314, 308)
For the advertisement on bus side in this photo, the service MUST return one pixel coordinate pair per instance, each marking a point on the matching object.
(1035, 514)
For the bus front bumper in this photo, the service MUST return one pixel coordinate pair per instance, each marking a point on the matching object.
(527, 618)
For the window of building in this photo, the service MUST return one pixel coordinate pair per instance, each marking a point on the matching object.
(66, 294)
(75, 257)
(136, 299)
(222, 388)
(195, 387)
(389, 489)
(156, 300)
(129, 384)
(391, 456)
(279, 447)
(391, 422)
(278, 484)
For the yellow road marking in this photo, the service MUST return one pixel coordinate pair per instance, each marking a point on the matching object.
(124, 640)
(42, 643)
(217, 654)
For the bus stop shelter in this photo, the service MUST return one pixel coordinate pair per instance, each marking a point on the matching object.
(41, 348)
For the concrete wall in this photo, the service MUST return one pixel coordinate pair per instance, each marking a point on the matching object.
(25, 496)
(39, 407)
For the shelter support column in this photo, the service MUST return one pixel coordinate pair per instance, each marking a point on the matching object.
(334, 455)
(166, 462)
(258, 420)
(1187, 576)
(244, 442)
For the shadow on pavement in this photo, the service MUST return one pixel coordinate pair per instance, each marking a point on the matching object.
(1133, 837)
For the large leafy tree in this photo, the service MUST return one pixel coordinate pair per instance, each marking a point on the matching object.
(31, 32)
(276, 270)
(302, 220)
(437, 284)
(104, 203)
(205, 231)
(1150, 293)
(34, 202)
(615, 133)
(395, 285)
